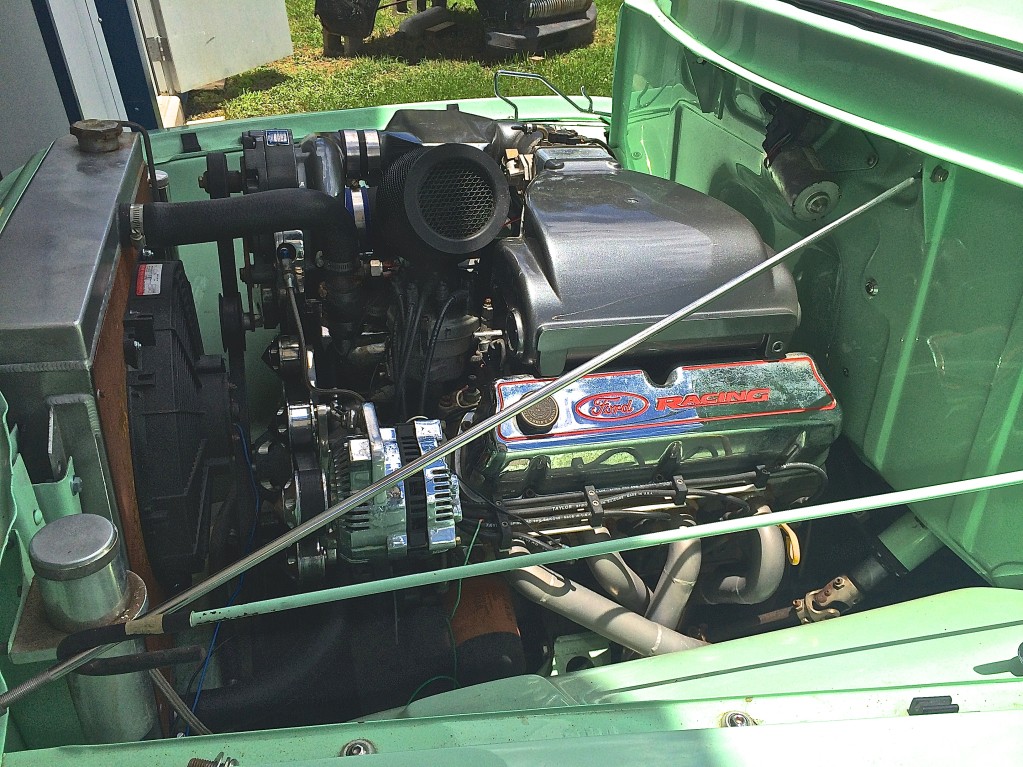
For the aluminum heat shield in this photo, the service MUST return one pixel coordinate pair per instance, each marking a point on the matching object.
(618, 428)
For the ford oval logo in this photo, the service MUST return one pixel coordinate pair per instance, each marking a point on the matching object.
(611, 406)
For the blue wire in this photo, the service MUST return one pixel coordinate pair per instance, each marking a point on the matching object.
(241, 580)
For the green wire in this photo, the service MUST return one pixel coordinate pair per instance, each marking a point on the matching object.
(451, 630)
(458, 593)
(430, 681)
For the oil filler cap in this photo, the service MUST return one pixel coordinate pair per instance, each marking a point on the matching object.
(539, 418)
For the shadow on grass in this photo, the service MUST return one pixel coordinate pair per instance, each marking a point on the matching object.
(461, 42)
(260, 79)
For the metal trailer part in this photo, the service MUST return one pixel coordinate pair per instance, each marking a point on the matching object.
(536, 34)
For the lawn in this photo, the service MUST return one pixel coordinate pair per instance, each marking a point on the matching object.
(392, 70)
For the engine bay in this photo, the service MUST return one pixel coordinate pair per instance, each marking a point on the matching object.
(403, 289)
(421, 279)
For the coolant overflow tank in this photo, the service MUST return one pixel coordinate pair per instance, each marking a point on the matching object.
(83, 582)
(80, 570)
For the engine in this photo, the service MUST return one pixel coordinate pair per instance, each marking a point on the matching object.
(409, 283)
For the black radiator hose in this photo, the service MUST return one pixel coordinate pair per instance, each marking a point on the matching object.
(303, 686)
(164, 224)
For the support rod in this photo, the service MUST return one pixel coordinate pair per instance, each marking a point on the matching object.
(648, 540)
(360, 497)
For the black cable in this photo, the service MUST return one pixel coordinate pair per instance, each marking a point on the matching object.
(813, 469)
(410, 338)
(661, 516)
(158, 194)
(500, 511)
(431, 345)
(604, 457)
(639, 493)
(743, 506)
(304, 361)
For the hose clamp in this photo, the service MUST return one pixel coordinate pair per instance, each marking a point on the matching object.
(135, 225)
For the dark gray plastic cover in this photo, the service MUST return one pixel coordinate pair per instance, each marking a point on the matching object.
(608, 251)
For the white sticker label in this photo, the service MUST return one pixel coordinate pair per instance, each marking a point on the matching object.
(149, 279)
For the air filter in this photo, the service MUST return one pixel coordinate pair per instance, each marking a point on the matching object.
(445, 201)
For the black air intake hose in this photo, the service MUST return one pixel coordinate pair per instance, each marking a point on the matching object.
(164, 224)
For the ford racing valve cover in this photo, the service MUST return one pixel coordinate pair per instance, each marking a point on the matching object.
(705, 420)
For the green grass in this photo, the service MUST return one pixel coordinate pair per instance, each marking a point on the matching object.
(392, 70)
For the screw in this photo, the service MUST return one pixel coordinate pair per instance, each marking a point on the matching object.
(939, 175)
(872, 287)
(76, 485)
(358, 747)
(838, 583)
(738, 719)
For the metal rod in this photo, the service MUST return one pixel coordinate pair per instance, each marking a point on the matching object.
(360, 497)
(541, 79)
(648, 540)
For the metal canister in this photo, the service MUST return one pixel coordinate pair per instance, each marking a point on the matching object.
(82, 579)
(81, 573)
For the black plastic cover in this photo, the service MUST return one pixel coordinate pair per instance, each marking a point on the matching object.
(178, 419)
(608, 251)
(453, 126)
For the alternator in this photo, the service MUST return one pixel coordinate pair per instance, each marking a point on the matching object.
(415, 518)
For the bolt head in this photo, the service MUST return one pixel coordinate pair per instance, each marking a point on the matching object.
(872, 288)
(939, 175)
(359, 747)
(818, 204)
(738, 719)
